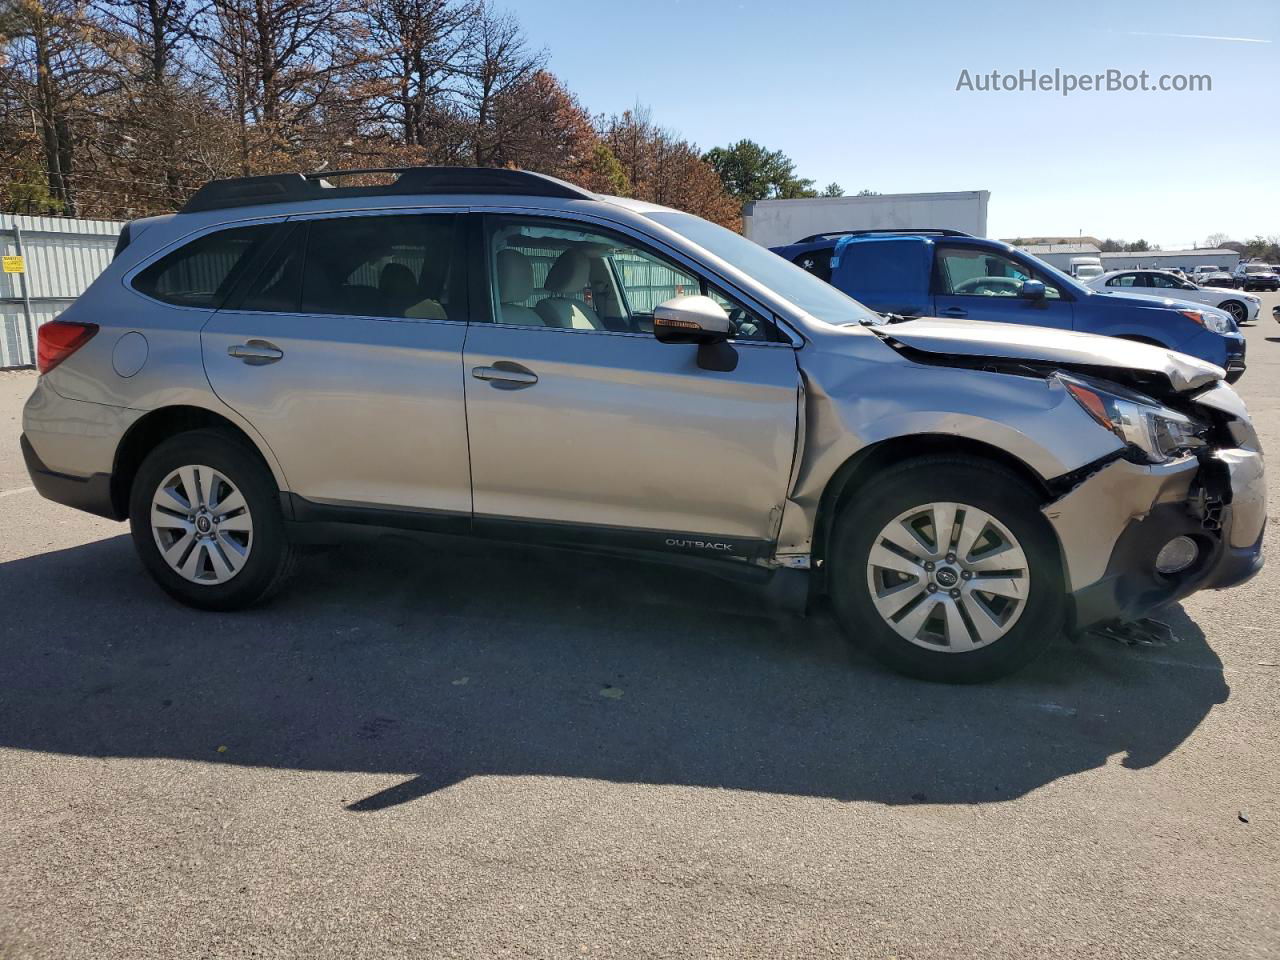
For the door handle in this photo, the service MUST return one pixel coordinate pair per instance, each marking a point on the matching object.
(256, 352)
(955, 312)
(506, 375)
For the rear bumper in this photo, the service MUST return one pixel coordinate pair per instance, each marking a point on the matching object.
(91, 494)
(1113, 524)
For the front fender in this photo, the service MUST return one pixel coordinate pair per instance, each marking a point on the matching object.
(851, 406)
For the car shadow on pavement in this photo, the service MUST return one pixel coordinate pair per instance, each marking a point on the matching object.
(453, 659)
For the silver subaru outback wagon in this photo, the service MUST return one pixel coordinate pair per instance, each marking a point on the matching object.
(505, 355)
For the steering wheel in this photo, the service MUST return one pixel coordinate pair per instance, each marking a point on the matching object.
(988, 286)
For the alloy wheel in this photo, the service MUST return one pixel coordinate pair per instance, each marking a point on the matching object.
(948, 577)
(202, 525)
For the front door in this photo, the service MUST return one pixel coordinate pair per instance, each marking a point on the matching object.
(583, 427)
(345, 353)
(980, 284)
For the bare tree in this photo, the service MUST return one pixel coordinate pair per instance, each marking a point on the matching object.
(281, 64)
(499, 61)
(162, 118)
(415, 74)
(54, 69)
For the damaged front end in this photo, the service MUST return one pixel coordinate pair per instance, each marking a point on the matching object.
(1136, 535)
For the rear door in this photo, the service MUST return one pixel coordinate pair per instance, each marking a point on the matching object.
(982, 284)
(345, 352)
(589, 429)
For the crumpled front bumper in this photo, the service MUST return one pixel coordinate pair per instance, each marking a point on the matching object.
(1112, 525)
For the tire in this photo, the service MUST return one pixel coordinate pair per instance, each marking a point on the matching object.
(221, 560)
(995, 635)
(1239, 312)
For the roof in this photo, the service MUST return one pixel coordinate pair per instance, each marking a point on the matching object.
(1036, 241)
(1198, 251)
(1079, 248)
(750, 205)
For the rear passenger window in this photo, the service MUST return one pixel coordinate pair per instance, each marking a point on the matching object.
(399, 267)
(201, 273)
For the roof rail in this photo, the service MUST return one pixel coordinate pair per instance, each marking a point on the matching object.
(296, 187)
(910, 231)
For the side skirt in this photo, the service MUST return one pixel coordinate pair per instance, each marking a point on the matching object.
(312, 522)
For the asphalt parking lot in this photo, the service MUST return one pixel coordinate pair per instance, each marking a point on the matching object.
(451, 750)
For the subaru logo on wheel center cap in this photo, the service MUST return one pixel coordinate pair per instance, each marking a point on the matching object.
(946, 577)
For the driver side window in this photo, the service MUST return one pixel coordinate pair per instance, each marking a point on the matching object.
(551, 273)
(965, 272)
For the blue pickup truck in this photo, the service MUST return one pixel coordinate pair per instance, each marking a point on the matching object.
(945, 273)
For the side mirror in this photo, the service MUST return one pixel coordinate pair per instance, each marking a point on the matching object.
(691, 320)
(1032, 289)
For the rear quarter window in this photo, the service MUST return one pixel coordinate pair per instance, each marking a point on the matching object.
(202, 272)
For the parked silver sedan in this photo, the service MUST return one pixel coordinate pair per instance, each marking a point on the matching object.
(504, 355)
(1243, 307)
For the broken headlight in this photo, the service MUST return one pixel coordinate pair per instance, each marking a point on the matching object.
(1153, 433)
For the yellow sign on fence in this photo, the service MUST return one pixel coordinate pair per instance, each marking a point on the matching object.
(14, 265)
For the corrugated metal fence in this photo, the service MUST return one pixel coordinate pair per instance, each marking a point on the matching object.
(62, 257)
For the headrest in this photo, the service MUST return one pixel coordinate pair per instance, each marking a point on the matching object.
(569, 273)
(397, 280)
(515, 276)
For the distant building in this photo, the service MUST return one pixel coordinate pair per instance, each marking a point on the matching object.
(1186, 260)
(1059, 254)
(772, 223)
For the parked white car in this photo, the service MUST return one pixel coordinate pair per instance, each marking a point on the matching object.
(1243, 307)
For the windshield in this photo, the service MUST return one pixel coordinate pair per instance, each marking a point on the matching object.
(1257, 268)
(813, 296)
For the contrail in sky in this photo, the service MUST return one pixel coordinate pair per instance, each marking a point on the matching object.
(1196, 36)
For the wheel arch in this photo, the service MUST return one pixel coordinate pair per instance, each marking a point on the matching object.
(867, 462)
(1141, 338)
(157, 426)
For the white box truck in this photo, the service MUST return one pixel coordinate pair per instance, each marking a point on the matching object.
(772, 223)
(1086, 268)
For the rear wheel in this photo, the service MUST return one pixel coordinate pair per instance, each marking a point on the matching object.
(945, 569)
(205, 516)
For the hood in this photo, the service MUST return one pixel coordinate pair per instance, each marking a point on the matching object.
(1119, 360)
(1165, 301)
(1148, 300)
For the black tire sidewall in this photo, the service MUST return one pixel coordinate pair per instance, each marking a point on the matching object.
(992, 489)
(246, 471)
(1240, 317)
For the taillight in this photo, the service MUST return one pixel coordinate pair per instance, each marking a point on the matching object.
(59, 339)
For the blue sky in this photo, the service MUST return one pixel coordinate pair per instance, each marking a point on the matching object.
(865, 94)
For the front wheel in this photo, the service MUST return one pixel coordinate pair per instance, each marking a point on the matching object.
(205, 516)
(1238, 311)
(945, 569)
